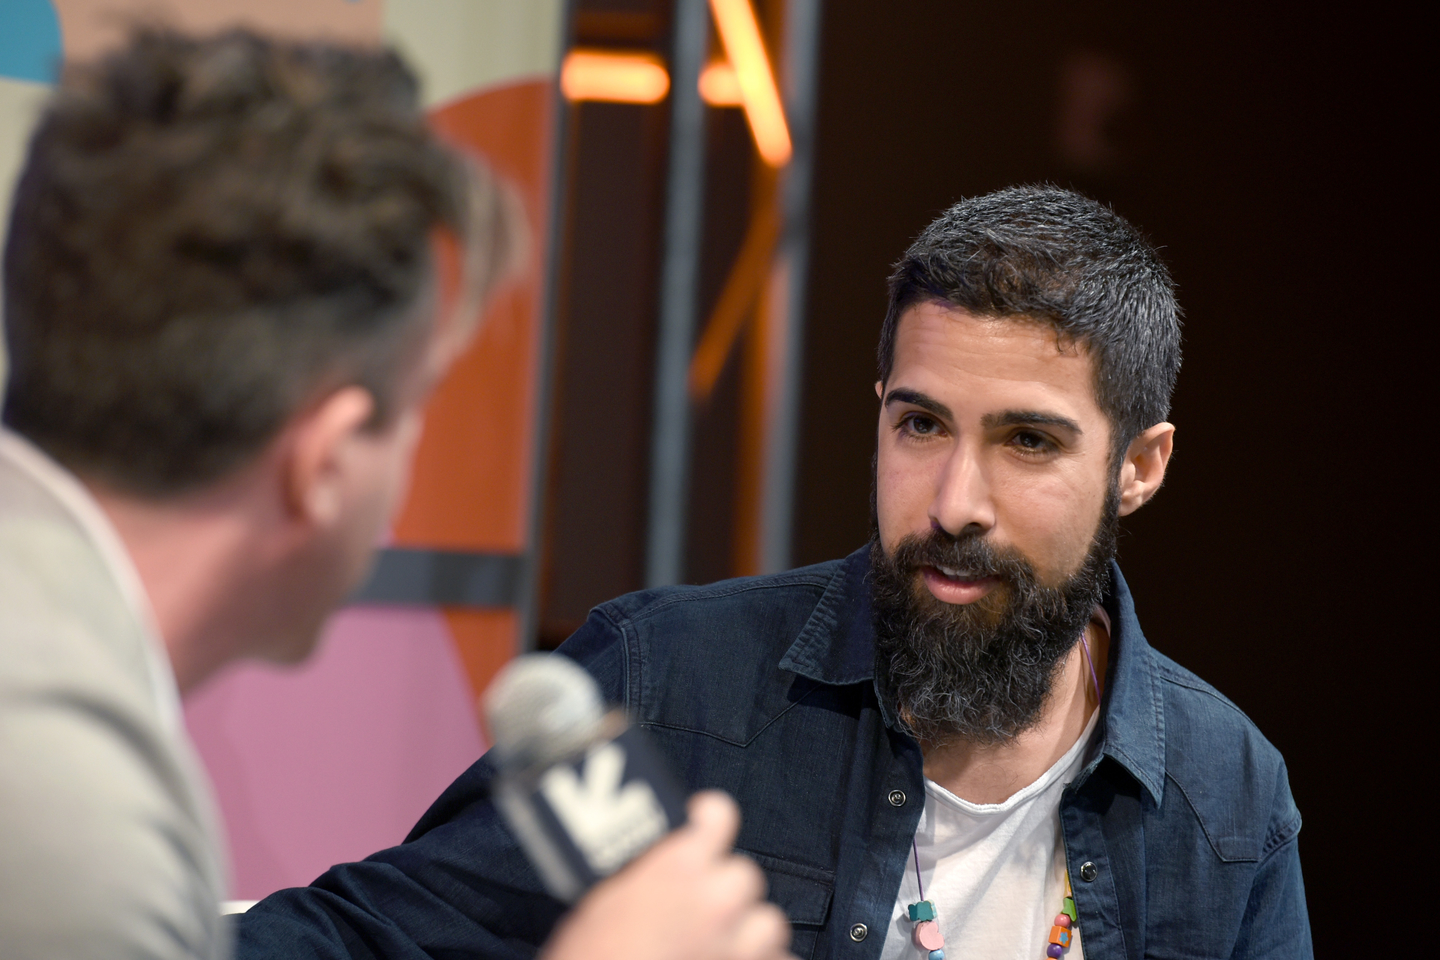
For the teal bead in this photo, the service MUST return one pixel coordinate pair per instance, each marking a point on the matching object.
(924, 910)
(937, 955)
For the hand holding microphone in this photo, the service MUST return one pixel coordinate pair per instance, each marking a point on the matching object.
(585, 795)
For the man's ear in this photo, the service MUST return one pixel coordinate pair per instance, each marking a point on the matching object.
(880, 389)
(315, 470)
(1144, 468)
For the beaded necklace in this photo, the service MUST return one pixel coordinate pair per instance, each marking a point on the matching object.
(926, 931)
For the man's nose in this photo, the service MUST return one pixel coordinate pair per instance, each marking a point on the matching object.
(962, 503)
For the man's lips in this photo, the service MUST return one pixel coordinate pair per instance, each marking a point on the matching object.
(949, 585)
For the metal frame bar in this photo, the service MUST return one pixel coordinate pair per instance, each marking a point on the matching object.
(445, 578)
(527, 594)
(801, 88)
(684, 234)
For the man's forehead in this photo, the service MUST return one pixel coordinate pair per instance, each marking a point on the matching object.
(933, 326)
(941, 349)
(979, 324)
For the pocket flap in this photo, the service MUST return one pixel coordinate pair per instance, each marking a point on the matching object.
(802, 892)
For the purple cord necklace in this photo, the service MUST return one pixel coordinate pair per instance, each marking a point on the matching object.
(926, 931)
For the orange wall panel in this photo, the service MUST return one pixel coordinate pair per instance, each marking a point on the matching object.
(472, 482)
(485, 640)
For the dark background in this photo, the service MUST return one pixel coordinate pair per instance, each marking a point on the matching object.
(1267, 153)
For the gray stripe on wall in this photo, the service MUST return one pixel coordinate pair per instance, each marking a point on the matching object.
(442, 578)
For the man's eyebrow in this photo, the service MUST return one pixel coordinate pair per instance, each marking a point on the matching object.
(1029, 418)
(918, 399)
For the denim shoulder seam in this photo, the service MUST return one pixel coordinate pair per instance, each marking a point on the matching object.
(630, 655)
(1198, 686)
(1281, 838)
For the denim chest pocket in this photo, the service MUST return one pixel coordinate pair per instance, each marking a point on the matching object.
(803, 892)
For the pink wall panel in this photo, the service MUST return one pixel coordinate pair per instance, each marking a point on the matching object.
(338, 758)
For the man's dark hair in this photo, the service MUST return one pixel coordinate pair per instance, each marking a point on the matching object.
(210, 234)
(1057, 257)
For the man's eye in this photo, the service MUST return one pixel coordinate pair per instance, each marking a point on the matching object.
(1031, 442)
(920, 425)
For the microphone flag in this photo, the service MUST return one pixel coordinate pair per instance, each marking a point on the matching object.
(586, 816)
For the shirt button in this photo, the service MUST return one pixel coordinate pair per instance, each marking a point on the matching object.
(859, 932)
(897, 798)
(1088, 872)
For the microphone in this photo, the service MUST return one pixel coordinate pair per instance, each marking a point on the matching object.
(583, 791)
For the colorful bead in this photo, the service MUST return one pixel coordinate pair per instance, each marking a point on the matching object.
(928, 936)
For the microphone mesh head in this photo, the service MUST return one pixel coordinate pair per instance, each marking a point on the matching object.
(542, 707)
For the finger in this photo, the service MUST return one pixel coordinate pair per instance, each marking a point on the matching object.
(714, 820)
(739, 881)
(763, 934)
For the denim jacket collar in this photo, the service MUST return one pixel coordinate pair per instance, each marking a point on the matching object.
(837, 647)
(1134, 712)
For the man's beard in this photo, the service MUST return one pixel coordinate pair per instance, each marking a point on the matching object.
(980, 671)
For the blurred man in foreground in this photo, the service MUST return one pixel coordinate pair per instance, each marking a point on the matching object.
(224, 315)
(956, 742)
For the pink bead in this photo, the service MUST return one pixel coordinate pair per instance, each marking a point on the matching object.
(1062, 921)
(928, 935)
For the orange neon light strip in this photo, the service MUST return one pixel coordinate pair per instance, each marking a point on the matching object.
(719, 86)
(740, 35)
(742, 288)
(614, 77)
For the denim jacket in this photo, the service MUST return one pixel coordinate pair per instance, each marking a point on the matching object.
(1180, 833)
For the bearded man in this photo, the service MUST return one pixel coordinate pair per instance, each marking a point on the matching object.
(955, 741)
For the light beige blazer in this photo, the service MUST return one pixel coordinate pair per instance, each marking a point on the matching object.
(108, 846)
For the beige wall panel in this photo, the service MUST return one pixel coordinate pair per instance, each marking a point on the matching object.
(20, 103)
(460, 46)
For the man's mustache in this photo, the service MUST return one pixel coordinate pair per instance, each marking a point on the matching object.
(971, 554)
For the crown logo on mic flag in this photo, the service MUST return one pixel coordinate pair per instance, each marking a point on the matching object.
(608, 821)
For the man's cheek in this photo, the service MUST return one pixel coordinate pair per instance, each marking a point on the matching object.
(1064, 556)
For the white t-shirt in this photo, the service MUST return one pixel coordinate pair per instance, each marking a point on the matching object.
(995, 871)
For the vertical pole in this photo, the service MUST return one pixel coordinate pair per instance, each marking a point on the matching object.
(801, 82)
(756, 388)
(684, 213)
(527, 599)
